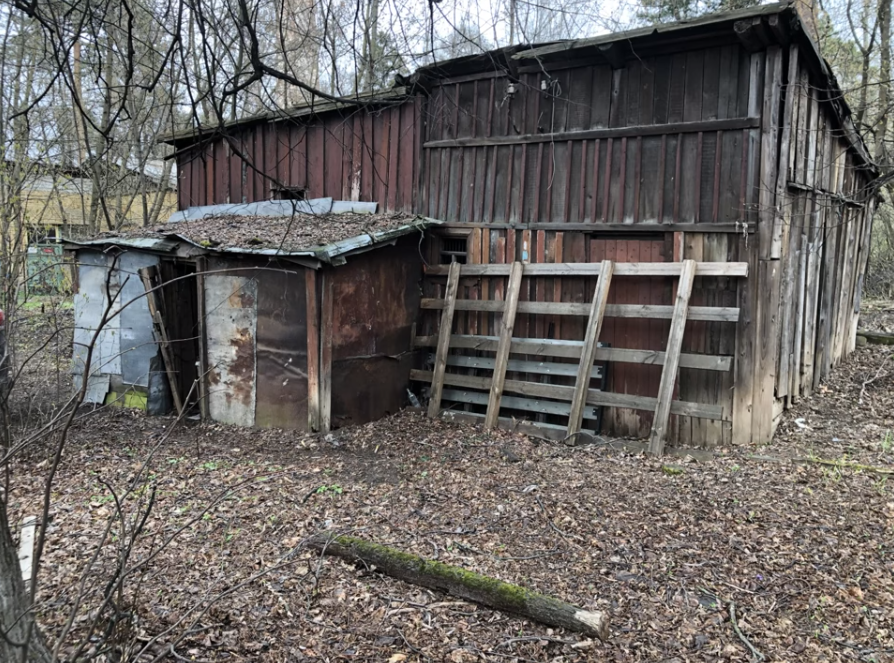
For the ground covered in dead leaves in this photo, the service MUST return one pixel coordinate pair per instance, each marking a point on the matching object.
(802, 553)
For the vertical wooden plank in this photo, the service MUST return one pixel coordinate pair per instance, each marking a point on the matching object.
(789, 102)
(770, 155)
(594, 327)
(444, 331)
(326, 334)
(672, 359)
(313, 349)
(506, 326)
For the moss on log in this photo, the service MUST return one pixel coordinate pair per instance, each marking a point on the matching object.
(877, 338)
(467, 585)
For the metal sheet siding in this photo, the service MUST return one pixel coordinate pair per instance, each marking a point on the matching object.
(281, 391)
(231, 302)
(376, 297)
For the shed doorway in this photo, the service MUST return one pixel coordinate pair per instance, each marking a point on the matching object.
(178, 299)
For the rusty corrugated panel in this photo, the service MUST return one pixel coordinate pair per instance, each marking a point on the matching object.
(376, 299)
(231, 301)
(281, 400)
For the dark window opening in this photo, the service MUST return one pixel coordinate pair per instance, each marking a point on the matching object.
(49, 235)
(454, 249)
(289, 192)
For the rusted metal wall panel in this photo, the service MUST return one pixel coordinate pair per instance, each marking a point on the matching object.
(231, 302)
(281, 392)
(376, 297)
(363, 154)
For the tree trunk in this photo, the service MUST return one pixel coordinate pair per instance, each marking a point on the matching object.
(20, 638)
(884, 90)
(467, 585)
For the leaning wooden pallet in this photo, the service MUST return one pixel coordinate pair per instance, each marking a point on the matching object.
(579, 402)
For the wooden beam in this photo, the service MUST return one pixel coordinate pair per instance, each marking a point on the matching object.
(566, 393)
(723, 227)
(146, 275)
(572, 350)
(592, 269)
(313, 349)
(654, 311)
(437, 383)
(588, 352)
(506, 326)
(326, 334)
(672, 362)
(710, 126)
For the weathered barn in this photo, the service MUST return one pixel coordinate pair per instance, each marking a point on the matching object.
(722, 140)
(297, 321)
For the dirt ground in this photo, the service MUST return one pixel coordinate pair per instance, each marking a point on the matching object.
(801, 552)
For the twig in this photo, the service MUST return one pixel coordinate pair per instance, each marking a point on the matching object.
(755, 654)
(553, 525)
(535, 638)
(872, 379)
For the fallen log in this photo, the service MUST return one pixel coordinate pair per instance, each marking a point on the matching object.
(876, 338)
(466, 585)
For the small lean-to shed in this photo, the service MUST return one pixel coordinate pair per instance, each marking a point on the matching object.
(298, 321)
(725, 139)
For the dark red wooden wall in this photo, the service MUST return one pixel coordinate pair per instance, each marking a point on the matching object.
(362, 154)
(494, 156)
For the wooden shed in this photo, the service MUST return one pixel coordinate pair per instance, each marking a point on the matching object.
(301, 321)
(724, 139)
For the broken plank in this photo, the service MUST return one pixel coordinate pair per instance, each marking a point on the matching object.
(146, 276)
(588, 351)
(672, 361)
(437, 384)
(505, 344)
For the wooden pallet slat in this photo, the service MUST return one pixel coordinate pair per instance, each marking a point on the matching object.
(523, 366)
(588, 351)
(672, 361)
(505, 344)
(565, 393)
(700, 313)
(572, 350)
(670, 269)
(437, 383)
(578, 402)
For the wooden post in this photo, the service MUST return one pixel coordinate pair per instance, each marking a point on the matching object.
(672, 359)
(146, 274)
(201, 268)
(506, 326)
(326, 331)
(594, 327)
(313, 349)
(437, 382)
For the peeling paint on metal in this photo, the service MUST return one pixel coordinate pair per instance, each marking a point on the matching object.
(232, 316)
